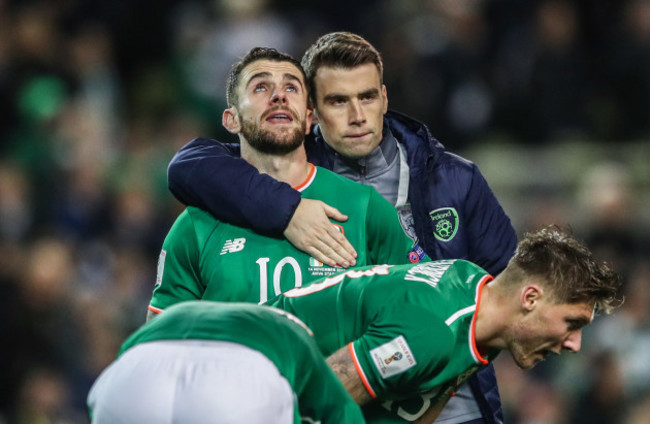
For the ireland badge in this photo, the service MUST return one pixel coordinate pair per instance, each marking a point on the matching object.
(445, 223)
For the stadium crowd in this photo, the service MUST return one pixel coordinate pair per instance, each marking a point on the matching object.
(97, 97)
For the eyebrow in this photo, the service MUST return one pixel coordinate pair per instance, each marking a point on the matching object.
(334, 96)
(370, 92)
(266, 74)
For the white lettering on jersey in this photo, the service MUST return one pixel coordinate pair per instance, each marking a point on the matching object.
(161, 267)
(277, 275)
(393, 358)
(332, 281)
(233, 245)
(430, 272)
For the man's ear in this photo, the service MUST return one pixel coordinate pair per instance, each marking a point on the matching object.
(384, 94)
(230, 120)
(530, 296)
(309, 120)
(314, 117)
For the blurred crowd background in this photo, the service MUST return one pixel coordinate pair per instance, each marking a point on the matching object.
(550, 97)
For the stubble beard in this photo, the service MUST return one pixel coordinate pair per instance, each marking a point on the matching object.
(272, 143)
(520, 347)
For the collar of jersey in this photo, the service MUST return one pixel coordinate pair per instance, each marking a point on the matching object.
(310, 178)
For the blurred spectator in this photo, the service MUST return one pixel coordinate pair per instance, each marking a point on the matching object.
(610, 214)
(627, 334)
(209, 36)
(438, 73)
(629, 64)
(16, 209)
(44, 329)
(44, 398)
(604, 401)
(542, 68)
(639, 412)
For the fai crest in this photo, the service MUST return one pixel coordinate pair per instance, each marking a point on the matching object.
(445, 223)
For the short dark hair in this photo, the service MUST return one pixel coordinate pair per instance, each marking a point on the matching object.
(568, 267)
(253, 55)
(339, 50)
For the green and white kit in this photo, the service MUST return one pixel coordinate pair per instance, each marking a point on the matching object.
(409, 329)
(204, 258)
(277, 337)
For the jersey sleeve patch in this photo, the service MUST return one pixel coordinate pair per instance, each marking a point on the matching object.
(393, 358)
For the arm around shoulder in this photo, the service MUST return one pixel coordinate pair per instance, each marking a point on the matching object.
(210, 175)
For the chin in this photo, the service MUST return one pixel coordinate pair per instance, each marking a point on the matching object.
(524, 363)
(359, 153)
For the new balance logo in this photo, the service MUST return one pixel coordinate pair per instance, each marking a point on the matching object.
(233, 246)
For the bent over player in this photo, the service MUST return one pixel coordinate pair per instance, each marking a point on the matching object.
(226, 363)
(418, 331)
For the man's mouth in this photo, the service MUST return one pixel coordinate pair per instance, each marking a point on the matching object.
(545, 353)
(279, 117)
(357, 136)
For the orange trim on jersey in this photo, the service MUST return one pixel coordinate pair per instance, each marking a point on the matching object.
(472, 331)
(154, 309)
(362, 375)
(310, 177)
(339, 227)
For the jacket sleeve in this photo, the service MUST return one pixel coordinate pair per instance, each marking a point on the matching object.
(493, 238)
(208, 174)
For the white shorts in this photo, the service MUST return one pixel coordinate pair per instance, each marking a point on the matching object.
(183, 381)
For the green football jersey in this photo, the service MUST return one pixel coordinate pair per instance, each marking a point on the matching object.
(409, 329)
(279, 336)
(204, 258)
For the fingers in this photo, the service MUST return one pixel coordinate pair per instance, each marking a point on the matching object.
(328, 256)
(325, 244)
(339, 244)
(311, 231)
(334, 213)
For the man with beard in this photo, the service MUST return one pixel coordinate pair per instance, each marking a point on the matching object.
(204, 258)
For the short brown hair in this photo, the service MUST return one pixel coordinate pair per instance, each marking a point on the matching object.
(253, 55)
(568, 267)
(339, 50)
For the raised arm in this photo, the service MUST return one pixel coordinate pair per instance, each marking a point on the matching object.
(208, 174)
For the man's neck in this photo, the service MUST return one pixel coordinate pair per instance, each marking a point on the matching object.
(291, 168)
(493, 317)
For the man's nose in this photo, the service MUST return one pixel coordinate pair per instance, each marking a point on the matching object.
(357, 115)
(279, 97)
(573, 341)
